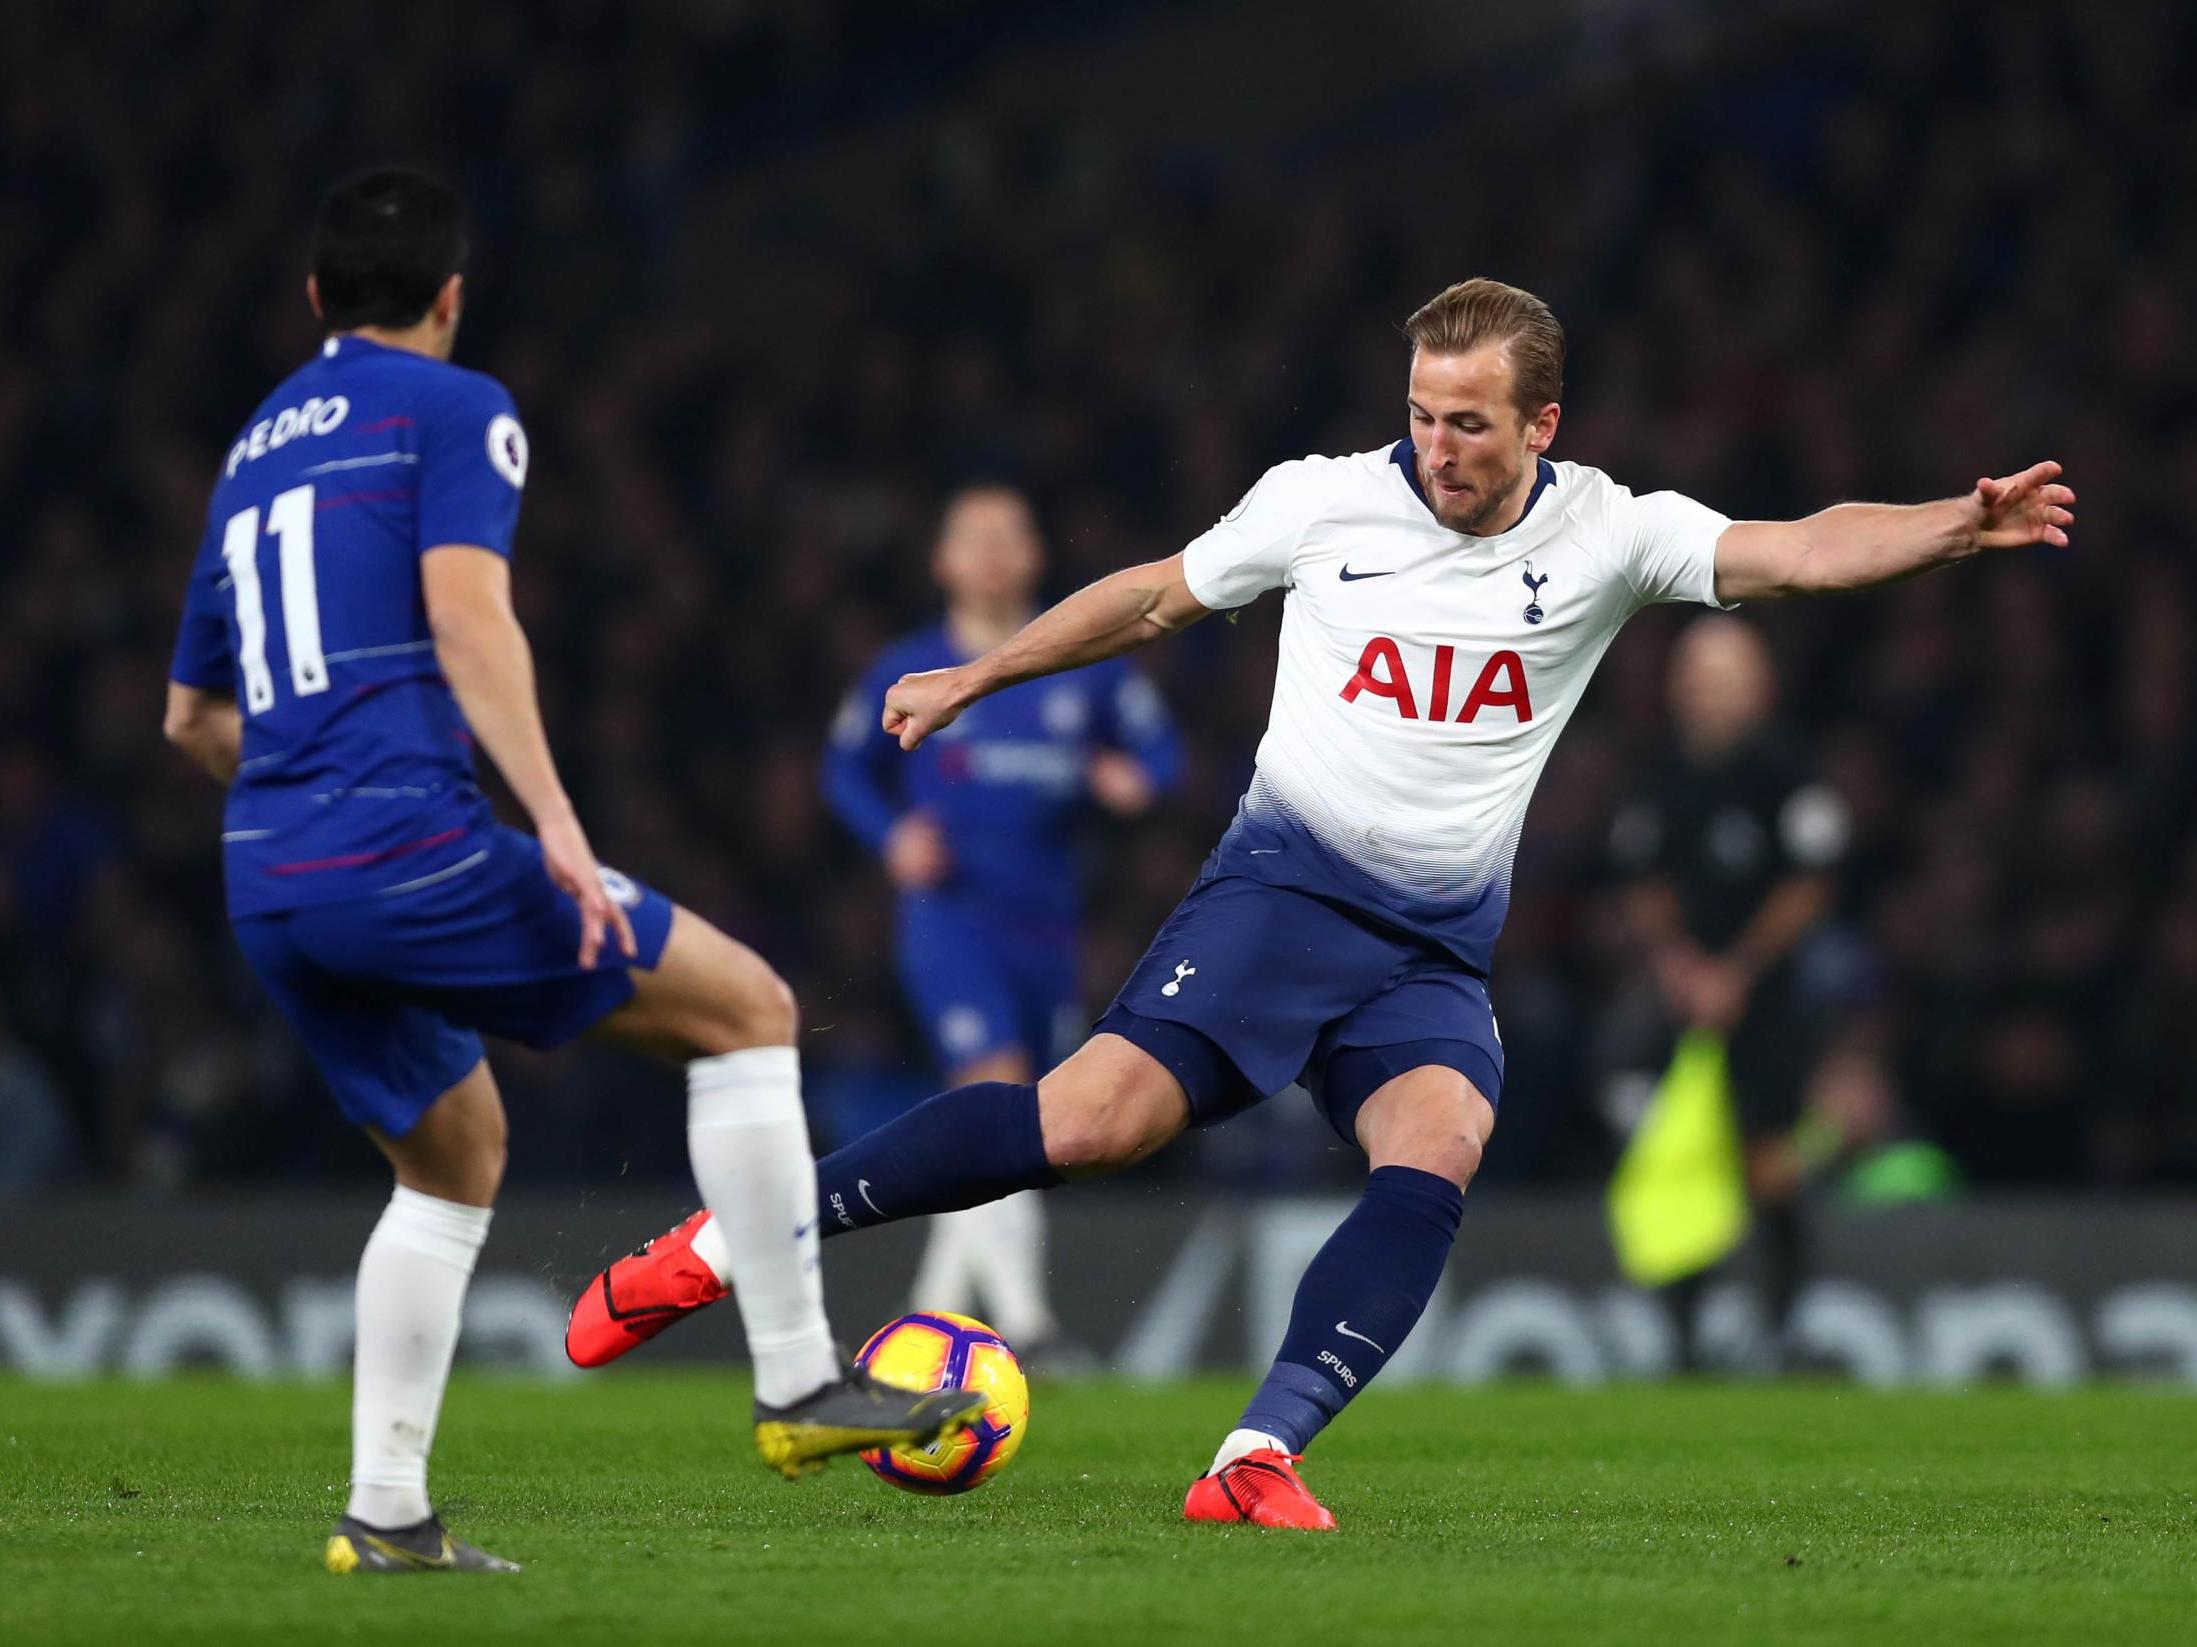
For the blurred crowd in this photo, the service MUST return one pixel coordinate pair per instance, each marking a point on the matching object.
(766, 288)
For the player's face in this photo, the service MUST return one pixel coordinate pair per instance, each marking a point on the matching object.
(988, 552)
(1722, 685)
(1476, 449)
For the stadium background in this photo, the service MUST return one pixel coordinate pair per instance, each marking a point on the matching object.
(768, 279)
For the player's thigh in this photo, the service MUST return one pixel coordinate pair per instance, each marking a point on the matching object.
(1413, 1075)
(1109, 1105)
(456, 1150)
(386, 1059)
(492, 944)
(1431, 1117)
(1241, 984)
(708, 993)
(957, 977)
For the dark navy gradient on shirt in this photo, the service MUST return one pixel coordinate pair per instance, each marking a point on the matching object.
(365, 782)
(1006, 782)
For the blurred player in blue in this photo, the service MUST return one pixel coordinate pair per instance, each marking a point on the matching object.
(347, 636)
(979, 833)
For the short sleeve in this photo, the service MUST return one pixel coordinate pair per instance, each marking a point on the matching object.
(1250, 549)
(202, 654)
(1813, 827)
(1668, 542)
(472, 466)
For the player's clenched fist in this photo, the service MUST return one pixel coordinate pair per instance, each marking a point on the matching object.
(919, 705)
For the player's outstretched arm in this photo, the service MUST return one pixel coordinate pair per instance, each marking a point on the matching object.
(1102, 620)
(485, 657)
(207, 726)
(1856, 545)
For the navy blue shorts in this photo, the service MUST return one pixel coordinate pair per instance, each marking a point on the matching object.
(981, 985)
(1249, 987)
(392, 993)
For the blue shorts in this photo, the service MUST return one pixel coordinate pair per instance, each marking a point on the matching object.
(1249, 987)
(392, 993)
(980, 985)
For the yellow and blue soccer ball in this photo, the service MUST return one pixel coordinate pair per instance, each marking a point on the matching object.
(932, 1350)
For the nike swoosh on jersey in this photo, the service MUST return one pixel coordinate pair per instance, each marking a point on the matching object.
(862, 1188)
(1354, 577)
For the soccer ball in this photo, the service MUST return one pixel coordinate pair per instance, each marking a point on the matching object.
(933, 1350)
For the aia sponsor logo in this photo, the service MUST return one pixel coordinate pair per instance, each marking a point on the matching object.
(1501, 684)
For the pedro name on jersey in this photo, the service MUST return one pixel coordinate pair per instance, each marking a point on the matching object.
(1426, 674)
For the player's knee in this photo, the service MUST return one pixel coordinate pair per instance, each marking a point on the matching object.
(458, 1156)
(1090, 1131)
(485, 1163)
(751, 1007)
(764, 1009)
(1452, 1153)
(1435, 1131)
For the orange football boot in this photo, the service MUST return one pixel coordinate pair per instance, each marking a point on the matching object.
(1263, 1488)
(639, 1296)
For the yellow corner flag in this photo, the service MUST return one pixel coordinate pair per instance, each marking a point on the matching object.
(1678, 1201)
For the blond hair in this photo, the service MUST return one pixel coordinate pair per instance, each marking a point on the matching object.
(1476, 312)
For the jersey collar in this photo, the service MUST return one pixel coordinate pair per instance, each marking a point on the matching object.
(344, 345)
(1403, 456)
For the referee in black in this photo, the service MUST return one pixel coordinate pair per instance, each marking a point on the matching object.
(1728, 859)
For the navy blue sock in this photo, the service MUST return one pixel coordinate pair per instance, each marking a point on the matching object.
(960, 1149)
(1359, 1299)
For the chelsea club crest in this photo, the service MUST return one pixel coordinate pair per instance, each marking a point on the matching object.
(1534, 613)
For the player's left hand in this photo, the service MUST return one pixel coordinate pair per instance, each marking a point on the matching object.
(919, 704)
(571, 863)
(2030, 507)
(1119, 783)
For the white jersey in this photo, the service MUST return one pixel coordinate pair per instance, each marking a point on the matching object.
(1425, 674)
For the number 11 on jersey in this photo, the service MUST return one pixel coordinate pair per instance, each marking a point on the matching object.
(290, 523)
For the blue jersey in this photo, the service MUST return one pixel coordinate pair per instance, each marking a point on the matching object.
(306, 605)
(1007, 781)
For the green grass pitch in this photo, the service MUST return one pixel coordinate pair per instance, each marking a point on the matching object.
(194, 1512)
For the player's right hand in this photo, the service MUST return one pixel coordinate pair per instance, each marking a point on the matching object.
(570, 862)
(918, 705)
(916, 854)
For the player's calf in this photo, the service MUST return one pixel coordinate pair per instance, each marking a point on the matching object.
(1107, 1106)
(715, 1004)
(1365, 1290)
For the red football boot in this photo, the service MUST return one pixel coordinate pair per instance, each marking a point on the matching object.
(1262, 1488)
(641, 1295)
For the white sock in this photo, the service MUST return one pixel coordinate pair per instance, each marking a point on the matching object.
(1008, 1255)
(411, 1292)
(709, 1246)
(748, 1139)
(1240, 1442)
